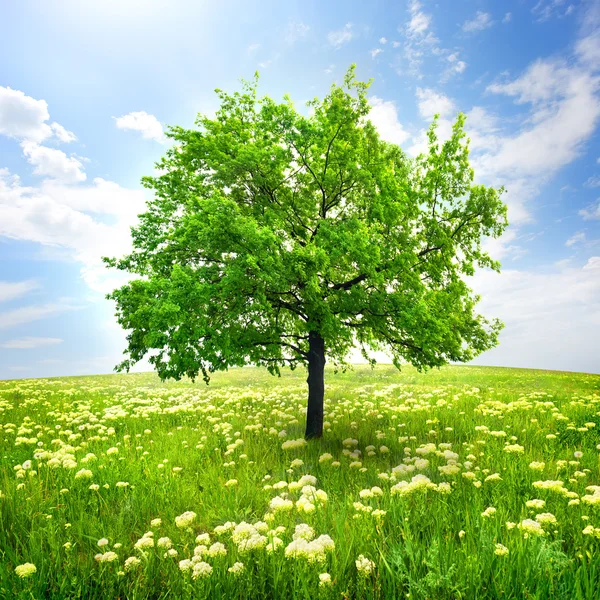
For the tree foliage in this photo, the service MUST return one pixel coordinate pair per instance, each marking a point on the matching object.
(267, 225)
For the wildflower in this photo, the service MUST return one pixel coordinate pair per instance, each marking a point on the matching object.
(133, 562)
(537, 466)
(201, 569)
(325, 457)
(156, 522)
(594, 497)
(536, 503)
(186, 519)
(231, 483)
(217, 549)
(203, 538)
(546, 518)
(488, 512)
(281, 504)
(461, 534)
(501, 550)
(364, 566)
(112, 451)
(185, 565)
(164, 542)
(325, 580)
(102, 542)
(529, 526)
(25, 570)
(237, 568)
(108, 557)
(84, 474)
(514, 449)
(303, 531)
(94, 487)
(293, 444)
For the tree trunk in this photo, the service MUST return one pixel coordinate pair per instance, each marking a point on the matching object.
(316, 385)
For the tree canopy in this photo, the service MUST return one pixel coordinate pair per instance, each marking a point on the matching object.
(274, 236)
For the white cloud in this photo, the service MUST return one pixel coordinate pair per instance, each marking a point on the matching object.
(546, 9)
(384, 116)
(431, 103)
(552, 316)
(419, 21)
(31, 342)
(338, 38)
(148, 125)
(593, 182)
(24, 118)
(375, 52)
(295, 31)
(578, 238)
(10, 290)
(481, 21)
(27, 314)
(58, 215)
(382, 40)
(329, 69)
(456, 65)
(53, 163)
(591, 212)
(62, 134)
(564, 115)
(507, 18)
(252, 48)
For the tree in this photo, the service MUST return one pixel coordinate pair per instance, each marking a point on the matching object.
(279, 239)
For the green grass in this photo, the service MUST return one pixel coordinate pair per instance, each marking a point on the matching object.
(176, 450)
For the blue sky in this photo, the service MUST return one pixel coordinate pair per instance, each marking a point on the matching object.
(87, 89)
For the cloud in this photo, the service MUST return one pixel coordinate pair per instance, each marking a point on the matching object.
(481, 21)
(329, 69)
(148, 125)
(431, 103)
(252, 48)
(62, 134)
(27, 314)
(507, 18)
(10, 290)
(547, 9)
(74, 219)
(384, 116)
(578, 238)
(31, 342)
(53, 163)
(565, 112)
(338, 38)
(456, 65)
(382, 40)
(24, 118)
(295, 31)
(591, 212)
(375, 52)
(552, 316)
(593, 182)
(419, 21)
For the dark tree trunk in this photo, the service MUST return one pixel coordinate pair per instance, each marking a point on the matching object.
(316, 385)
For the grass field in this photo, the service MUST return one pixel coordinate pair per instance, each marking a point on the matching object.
(465, 482)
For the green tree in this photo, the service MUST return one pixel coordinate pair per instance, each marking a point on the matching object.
(279, 239)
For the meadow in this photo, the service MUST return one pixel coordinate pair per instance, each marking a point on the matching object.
(464, 482)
